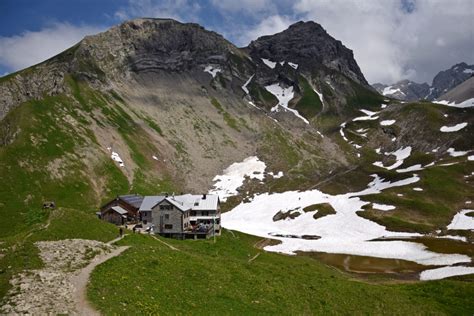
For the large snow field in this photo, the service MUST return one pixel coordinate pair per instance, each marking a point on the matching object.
(344, 232)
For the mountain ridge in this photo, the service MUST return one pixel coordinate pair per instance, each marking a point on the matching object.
(442, 82)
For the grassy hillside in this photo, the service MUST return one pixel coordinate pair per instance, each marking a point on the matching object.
(234, 277)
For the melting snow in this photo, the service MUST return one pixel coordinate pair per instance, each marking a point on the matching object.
(277, 175)
(212, 70)
(387, 122)
(470, 158)
(455, 128)
(417, 189)
(293, 65)
(344, 232)
(445, 272)
(341, 131)
(453, 153)
(284, 95)
(269, 63)
(117, 158)
(370, 116)
(400, 154)
(416, 167)
(154, 157)
(382, 207)
(233, 177)
(465, 104)
(462, 221)
(244, 87)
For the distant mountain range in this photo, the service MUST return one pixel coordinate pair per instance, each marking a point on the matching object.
(443, 82)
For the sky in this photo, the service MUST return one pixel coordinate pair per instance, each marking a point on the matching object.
(391, 39)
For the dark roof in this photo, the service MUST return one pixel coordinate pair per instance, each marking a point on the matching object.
(134, 200)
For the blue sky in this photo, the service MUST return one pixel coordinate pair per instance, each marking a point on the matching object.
(391, 39)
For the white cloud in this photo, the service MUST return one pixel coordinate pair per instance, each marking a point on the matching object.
(29, 48)
(248, 6)
(270, 25)
(391, 43)
(181, 10)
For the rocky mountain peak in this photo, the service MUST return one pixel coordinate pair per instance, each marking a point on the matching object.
(310, 46)
(148, 45)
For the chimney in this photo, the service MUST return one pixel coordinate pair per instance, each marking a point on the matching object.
(166, 194)
(204, 196)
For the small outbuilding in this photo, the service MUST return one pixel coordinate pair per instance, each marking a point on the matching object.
(115, 215)
(130, 203)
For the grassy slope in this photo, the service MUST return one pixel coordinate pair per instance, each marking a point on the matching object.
(207, 278)
(309, 105)
(45, 133)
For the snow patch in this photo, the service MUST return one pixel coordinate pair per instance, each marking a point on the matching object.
(400, 155)
(269, 63)
(233, 177)
(417, 189)
(445, 272)
(370, 116)
(284, 95)
(277, 175)
(115, 157)
(382, 207)
(416, 167)
(453, 153)
(462, 221)
(455, 128)
(387, 122)
(465, 104)
(244, 87)
(293, 65)
(212, 70)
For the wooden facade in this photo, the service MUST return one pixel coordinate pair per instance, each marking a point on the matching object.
(130, 203)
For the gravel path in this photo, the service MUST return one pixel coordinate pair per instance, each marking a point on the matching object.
(80, 282)
(60, 286)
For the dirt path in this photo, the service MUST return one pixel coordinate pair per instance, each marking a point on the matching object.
(80, 281)
(165, 243)
(59, 287)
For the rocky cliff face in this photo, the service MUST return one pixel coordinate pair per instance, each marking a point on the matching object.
(405, 90)
(151, 50)
(310, 46)
(450, 78)
(443, 82)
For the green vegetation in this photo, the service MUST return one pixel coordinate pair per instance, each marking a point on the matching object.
(364, 98)
(309, 105)
(322, 209)
(261, 95)
(444, 191)
(150, 278)
(231, 122)
(153, 125)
